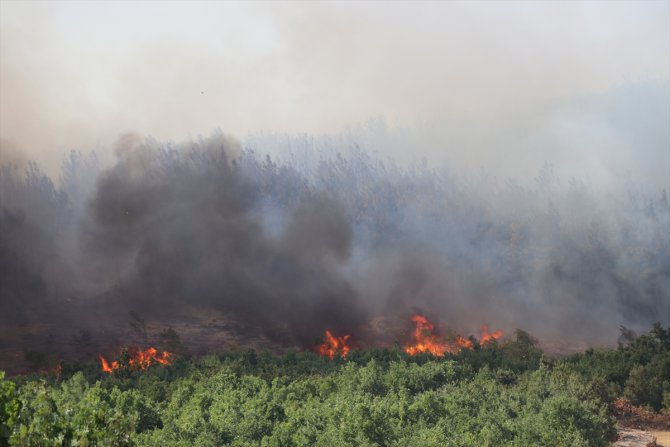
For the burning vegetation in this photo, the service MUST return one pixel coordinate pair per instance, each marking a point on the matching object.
(487, 337)
(137, 359)
(333, 346)
(309, 244)
(425, 339)
(276, 249)
(266, 399)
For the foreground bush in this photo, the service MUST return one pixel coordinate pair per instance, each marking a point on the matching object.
(398, 402)
(78, 414)
(638, 369)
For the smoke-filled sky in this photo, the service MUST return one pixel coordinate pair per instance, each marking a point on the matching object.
(542, 202)
(506, 86)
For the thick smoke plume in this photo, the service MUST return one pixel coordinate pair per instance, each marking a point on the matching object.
(181, 226)
(324, 236)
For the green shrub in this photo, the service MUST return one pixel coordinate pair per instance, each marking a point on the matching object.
(9, 408)
(79, 414)
(500, 395)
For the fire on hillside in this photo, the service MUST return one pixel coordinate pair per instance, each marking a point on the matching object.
(334, 346)
(425, 339)
(139, 359)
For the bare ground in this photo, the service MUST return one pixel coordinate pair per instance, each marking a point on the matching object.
(662, 438)
(634, 421)
(41, 342)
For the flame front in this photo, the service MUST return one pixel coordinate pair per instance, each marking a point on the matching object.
(140, 359)
(425, 339)
(106, 366)
(144, 359)
(333, 346)
(463, 343)
(489, 337)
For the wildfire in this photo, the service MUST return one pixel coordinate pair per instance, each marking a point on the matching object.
(106, 366)
(333, 346)
(488, 337)
(139, 359)
(426, 340)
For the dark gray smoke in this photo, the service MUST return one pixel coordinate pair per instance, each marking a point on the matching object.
(326, 236)
(181, 226)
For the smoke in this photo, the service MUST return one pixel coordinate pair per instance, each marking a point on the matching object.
(179, 227)
(530, 190)
(319, 239)
(507, 86)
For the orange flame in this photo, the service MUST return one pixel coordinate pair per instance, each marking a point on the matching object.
(106, 367)
(333, 346)
(488, 337)
(140, 359)
(425, 339)
(463, 343)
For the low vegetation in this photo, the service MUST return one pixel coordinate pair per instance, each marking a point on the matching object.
(506, 394)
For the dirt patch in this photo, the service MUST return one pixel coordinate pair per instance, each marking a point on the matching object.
(662, 438)
(638, 427)
(632, 416)
(627, 437)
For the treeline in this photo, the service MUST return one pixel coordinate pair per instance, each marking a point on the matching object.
(505, 394)
(555, 251)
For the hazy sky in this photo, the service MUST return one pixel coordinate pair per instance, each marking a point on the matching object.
(504, 80)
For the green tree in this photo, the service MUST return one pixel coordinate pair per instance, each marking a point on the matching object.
(9, 408)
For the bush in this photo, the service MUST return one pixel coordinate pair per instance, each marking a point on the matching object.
(500, 395)
(9, 408)
(79, 414)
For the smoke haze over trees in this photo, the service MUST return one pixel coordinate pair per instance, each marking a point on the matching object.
(327, 234)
